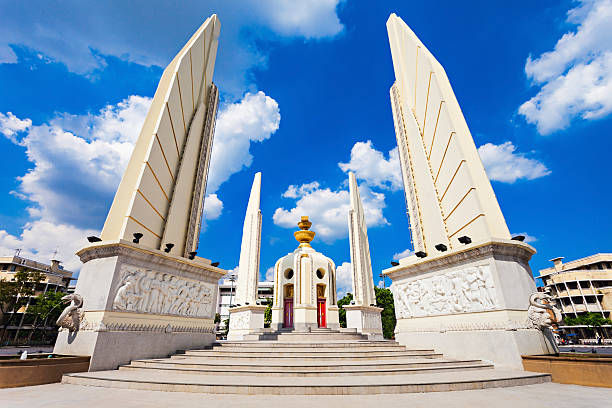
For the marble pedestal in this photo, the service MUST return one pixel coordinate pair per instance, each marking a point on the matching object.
(366, 319)
(471, 302)
(245, 320)
(139, 302)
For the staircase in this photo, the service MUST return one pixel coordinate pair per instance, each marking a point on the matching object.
(320, 362)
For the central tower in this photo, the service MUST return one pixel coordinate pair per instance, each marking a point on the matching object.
(305, 287)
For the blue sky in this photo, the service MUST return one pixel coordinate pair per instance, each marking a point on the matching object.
(305, 98)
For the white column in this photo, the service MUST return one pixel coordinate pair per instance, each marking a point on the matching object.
(248, 267)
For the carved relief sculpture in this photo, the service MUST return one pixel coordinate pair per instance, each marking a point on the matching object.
(464, 291)
(146, 291)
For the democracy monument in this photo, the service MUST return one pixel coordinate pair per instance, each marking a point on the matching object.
(466, 303)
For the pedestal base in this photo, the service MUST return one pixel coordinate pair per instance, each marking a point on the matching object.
(139, 302)
(470, 303)
(245, 320)
(366, 319)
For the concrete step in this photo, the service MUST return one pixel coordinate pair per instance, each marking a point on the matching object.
(416, 366)
(305, 337)
(285, 385)
(298, 357)
(171, 370)
(339, 344)
(264, 351)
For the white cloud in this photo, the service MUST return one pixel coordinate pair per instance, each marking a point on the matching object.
(370, 165)
(404, 254)
(270, 274)
(212, 207)
(305, 18)
(254, 119)
(40, 239)
(504, 164)
(576, 77)
(80, 33)
(528, 238)
(344, 279)
(294, 191)
(78, 162)
(328, 210)
(10, 125)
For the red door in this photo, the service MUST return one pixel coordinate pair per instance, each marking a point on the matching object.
(321, 318)
(288, 310)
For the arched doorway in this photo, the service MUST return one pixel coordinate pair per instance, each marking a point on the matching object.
(321, 306)
(288, 305)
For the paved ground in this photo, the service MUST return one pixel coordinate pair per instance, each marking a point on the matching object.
(536, 396)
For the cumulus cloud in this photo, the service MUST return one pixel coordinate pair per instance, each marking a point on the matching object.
(270, 274)
(575, 78)
(344, 279)
(404, 254)
(80, 33)
(328, 210)
(370, 165)
(10, 125)
(503, 163)
(212, 207)
(253, 119)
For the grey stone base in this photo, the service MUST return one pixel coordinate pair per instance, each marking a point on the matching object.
(501, 347)
(109, 350)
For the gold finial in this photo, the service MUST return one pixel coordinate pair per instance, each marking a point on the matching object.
(304, 236)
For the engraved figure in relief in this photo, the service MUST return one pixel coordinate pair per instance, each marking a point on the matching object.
(128, 296)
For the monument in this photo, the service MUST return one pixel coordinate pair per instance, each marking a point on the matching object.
(305, 287)
(144, 291)
(362, 314)
(247, 315)
(466, 290)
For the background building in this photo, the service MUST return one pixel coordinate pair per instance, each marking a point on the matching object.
(227, 294)
(579, 287)
(55, 279)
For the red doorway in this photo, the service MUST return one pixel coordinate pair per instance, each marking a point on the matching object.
(288, 313)
(321, 318)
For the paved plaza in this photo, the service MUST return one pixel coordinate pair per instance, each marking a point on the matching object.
(539, 395)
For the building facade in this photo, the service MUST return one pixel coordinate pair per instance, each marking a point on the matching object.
(579, 287)
(227, 296)
(56, 279)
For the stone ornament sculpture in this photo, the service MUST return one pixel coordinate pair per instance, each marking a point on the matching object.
(73, 314)
(541, 313)
(463, 291)
(147, 291)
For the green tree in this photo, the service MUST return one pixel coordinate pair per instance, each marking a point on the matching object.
(592, 320)
(45, 311)
(268, 313)
(14, 294)
(384, 299)
(346, 300)
(217, 318)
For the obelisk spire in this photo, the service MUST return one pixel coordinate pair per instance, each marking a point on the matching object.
(248, 267)
(361, 264)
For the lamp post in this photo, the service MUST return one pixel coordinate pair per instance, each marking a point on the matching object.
(232, 278)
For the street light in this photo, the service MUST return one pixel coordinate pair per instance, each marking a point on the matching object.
(231, 278)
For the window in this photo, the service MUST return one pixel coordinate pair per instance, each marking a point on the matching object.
(320, 273)
(288, 274)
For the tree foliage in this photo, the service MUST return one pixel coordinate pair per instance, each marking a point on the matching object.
(384, 299)
(14, 294)
(346, 300)
(217, 318)
(268, 313)
(588, 319)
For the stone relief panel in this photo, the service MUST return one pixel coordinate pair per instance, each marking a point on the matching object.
(239, 320)
(464, 291)
(146, 291)
(371, 321)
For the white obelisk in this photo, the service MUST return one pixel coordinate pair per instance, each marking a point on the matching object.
(248, 267)
(363, 315)
(247, 315)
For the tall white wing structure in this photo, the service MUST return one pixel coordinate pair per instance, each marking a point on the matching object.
(361, 264)
(448, 193)
(248, 266)
(161, 194)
